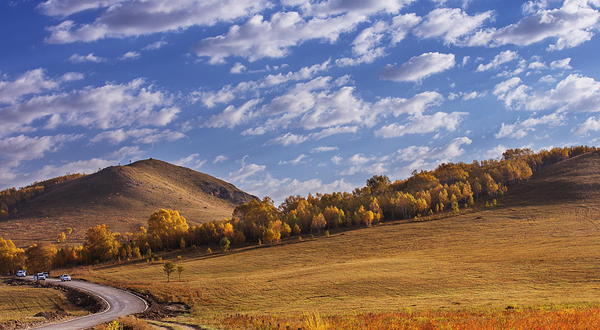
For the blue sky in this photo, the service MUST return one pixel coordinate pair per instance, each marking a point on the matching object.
(292, 96)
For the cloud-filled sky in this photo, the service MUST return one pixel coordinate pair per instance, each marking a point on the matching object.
(291, 96)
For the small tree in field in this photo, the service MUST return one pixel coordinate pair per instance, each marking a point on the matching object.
(169, 267)
(180, 270)
(225, 244)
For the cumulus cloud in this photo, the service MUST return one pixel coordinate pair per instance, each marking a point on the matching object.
(280, 189)
(504, 57)
(416, 105)
(105, 107)
(520, 129)
(423, 124)
(561, 64)
(76, 58)
(30, 82)
(289, 139)
(419, 67)
(591, 124)
(233, 116)
(244, 172)
(423, 157)
(192, 161)
(14, 150)
(569, 26)
(238, 68)
(121, 19)
(130, 56)
(450, 24)
(495, 153)
(575, 93)
(155, 45)
(257, 38)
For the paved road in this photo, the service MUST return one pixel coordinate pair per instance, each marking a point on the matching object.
(120, 303)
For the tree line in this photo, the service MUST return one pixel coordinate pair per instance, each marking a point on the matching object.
(448, 188)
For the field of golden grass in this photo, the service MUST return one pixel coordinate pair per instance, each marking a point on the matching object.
(21, 303)
(538, 248)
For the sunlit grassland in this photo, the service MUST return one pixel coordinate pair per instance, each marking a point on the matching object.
(515, 254)
(21, 303)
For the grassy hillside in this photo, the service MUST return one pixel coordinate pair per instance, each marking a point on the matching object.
(538, 247)
(122, 197)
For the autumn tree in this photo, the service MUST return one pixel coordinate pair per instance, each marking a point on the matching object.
(40, 258)
(180, 270)
(11, 257)
(169, 267)
(101, 244)
(224, 244)
(318, 222)
(168, 226)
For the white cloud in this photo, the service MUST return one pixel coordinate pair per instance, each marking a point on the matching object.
(359, 159)
(76, 58)
(144, 136)
(233, 116)
(109, 106)
(257, 39)
(30, 82)
(569, 26)
(323, 149)
(220, 159)
(591, 124)
(357, 8)
(130, 56)
(423, 124)
(333, 130)
(337, 160)
(419, 67)
(155, 45)
(238, 68)
(126, 152)
(279, 190)
(288, 139)
(503, 57)
(246, 171)
(495, 153)
(575, 93)
(295, 161)
(547, 79)
(520, 129)
(192, 161)
(136, 18)
(14, 150)
(561, 64)
(451, 24)
(413, 106)
(423, 157)
(160, 136)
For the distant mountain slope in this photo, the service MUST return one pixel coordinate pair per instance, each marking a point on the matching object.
(576, 179)
(122, 197)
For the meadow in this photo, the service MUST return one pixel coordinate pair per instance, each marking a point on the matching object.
(20, 304)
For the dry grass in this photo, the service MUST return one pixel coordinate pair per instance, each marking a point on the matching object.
(21, 303)
(534, 249)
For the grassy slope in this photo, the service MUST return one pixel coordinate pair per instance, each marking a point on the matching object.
(122, 197)
(533, 249)
(23, 302)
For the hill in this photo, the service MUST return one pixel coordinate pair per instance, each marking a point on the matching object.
(538, 247)
(122, 197)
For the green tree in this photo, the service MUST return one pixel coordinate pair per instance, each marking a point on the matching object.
(169, 267)
(180, 270)
(224, 244)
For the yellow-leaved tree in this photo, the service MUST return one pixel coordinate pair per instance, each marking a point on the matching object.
(11, 257)
(101, 244)
(169, 226)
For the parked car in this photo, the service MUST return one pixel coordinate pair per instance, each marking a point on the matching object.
(46, 274)
(65, 277)
(21, 273)
(39, 277)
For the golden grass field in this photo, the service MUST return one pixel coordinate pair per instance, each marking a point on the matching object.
(539, 248)
(23, 302)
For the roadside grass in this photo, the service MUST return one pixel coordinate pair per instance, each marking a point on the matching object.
(21, 303)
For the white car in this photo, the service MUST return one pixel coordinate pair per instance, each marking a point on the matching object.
(21, 273)
(39, 277)
(65, 277)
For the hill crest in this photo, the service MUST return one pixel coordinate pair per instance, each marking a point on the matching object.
(122, 197)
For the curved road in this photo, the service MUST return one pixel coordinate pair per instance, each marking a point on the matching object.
(120, 303)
